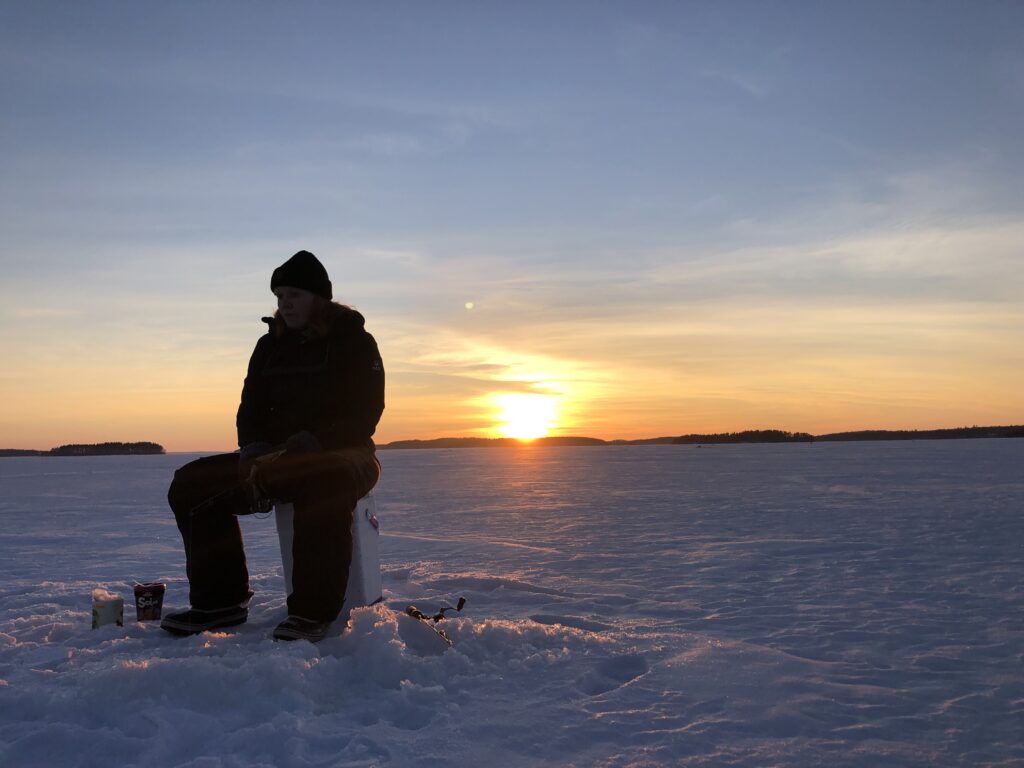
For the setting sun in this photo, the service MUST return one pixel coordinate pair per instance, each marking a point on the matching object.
(525, 416)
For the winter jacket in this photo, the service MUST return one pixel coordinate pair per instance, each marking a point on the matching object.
(331, 386)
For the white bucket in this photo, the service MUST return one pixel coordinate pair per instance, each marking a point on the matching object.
(364, 583)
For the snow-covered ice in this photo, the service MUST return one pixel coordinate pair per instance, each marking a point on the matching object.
(843, 604)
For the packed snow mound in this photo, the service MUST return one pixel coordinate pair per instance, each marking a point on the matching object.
(136, 695)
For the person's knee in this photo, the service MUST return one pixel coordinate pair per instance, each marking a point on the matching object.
(177, 494)
(359, 468)
(184, 489)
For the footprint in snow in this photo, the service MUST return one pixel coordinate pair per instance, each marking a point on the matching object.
(576, 622)
(612, 673)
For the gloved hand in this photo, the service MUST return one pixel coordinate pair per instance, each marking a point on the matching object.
(250, 454)
(248, 475)
(265, 469)
(259, 501)
(303, 442)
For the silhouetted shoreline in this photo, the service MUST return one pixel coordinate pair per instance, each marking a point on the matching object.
(724, 438)
(90, 449)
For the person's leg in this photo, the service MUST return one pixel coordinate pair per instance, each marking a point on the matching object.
(324, 489)
(205, 495)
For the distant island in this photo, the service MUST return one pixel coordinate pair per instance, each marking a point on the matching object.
(748, 436)
(94, 449)
(957, 433)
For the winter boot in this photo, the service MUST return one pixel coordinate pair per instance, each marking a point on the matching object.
(298, 628)
(196, 620)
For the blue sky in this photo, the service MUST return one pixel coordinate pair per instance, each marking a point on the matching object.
(670, 217)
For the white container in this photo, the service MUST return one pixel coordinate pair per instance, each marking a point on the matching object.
(107, 608)
(364, 583)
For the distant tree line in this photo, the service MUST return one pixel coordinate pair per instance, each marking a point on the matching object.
(93, 449)
(748, 436)
(108, 449)
(957, 433)
(752, 436)
(489, 442)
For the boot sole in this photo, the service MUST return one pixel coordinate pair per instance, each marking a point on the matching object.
(183, 630)
(292, 634)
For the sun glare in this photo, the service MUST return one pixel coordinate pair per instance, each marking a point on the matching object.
(525, 416)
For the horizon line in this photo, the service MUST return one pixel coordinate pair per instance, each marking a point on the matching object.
(527, 441)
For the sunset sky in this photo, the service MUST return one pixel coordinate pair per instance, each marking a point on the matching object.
(654, 218)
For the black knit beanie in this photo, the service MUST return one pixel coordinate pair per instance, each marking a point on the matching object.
(303, 270)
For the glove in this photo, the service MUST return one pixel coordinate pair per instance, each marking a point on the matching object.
(248, 455)
(303, 442)
(263, 467)
(248, 475)
(259, 501)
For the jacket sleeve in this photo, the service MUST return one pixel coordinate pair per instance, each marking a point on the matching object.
(250, 420)
(357, 374)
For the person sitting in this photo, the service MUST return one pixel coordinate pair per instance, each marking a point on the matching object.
(311, 401)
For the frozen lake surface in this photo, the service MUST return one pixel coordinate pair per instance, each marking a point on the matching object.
(842, 604)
